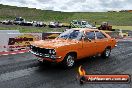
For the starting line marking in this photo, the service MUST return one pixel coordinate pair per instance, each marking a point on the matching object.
(13, 52)
(4, 54)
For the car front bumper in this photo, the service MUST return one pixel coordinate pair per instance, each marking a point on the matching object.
(45, 56)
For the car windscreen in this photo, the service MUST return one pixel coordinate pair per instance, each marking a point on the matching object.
(84, 23)
(71, 34)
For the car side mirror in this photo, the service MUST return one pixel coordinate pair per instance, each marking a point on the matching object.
(89, 39)
(86, 39)
(83, 38)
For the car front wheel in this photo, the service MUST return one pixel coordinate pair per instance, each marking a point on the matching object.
(106, 53)
(69, 61)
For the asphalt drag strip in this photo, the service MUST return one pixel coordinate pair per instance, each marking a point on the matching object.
(23, 70)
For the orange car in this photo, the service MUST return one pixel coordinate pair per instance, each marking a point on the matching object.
(73, 44)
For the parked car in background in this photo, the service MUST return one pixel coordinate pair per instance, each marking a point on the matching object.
(26, 23)
(39, 24)
(18, 20)
(72, 45)
(7, 22)
(55, 24)
(81, 24)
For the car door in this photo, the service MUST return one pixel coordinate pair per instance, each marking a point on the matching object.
(101, 41)
(89, 45)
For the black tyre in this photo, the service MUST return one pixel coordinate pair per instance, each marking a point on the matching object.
(106, 53)
(45, 63)
(69, 61)
(82, 80)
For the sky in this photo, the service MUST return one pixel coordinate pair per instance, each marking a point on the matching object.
(72, 5)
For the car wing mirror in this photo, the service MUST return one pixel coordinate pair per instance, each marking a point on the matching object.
(86, 39)
(89, 39)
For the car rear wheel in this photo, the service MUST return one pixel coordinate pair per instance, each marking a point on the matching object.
(106, 53)
(69, 61)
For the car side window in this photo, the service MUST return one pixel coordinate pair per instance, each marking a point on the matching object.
(100, 35)
(90, 35)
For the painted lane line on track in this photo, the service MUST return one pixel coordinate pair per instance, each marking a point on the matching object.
(5, 54)
(13, 52)
(21, 52)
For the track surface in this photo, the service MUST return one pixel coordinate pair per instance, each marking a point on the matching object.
(23, 71)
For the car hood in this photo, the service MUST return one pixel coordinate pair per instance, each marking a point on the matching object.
(53, 43)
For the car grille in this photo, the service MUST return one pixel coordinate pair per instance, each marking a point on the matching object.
(39, 50)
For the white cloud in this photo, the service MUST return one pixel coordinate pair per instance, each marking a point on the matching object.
(72, 5)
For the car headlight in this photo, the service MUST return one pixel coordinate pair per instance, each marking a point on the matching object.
(30, 46)
(52, 51)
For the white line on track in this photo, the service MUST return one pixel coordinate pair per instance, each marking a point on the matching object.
(13, 53)
(21, 52)
(4, 54)
(9, 53)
